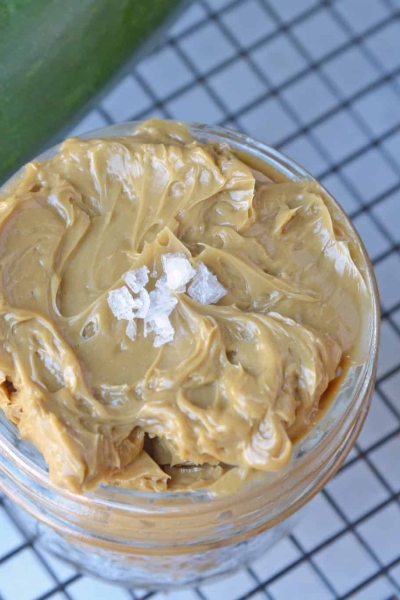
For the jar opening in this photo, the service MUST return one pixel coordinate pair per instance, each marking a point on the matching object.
(25, 461)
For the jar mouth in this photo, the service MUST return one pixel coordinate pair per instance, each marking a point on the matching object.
(23, 462)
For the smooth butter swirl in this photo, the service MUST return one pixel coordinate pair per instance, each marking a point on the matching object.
(240, 379)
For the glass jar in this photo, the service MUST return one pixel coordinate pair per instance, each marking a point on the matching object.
(164, 540)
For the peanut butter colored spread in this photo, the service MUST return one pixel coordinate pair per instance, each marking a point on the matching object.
(241, 379)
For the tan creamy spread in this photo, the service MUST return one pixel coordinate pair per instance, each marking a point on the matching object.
(240, 380)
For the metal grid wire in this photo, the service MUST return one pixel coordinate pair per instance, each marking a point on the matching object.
(321, 82)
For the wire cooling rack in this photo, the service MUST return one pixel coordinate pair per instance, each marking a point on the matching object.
(321, 82)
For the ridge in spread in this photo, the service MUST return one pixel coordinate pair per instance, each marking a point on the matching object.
(238, 380)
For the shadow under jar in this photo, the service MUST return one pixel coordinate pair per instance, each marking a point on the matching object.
(171, 539)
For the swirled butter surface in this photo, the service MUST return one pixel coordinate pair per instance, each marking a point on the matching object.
(240, 380)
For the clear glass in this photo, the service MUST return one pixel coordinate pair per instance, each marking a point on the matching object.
(166, 540)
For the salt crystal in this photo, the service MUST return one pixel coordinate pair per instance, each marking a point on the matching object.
(161, 326)
(137, 279)
(121, 303)
(205, 287)
(159, 305)
(178, 270)
(160, 340)
(143, 303)
(154, 307)
(162, 302)
(161, 283)
(147, 328)
(131, 330)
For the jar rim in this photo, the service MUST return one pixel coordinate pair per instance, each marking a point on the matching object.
(24, 460)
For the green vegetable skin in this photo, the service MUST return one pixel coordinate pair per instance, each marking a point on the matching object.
(54, 56)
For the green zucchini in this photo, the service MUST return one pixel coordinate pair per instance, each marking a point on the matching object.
(54, 56)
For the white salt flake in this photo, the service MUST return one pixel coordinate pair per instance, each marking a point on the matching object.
(147, 327)
(205, 287)
(143, 303)
(178, 270)
(136, 279)
(161, 326)
(162, 302)
(161, 283)
(121, 303)
(131, 330)
(160, 340)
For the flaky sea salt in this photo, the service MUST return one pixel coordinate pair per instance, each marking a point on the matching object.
(137, 279)
(162, 302)
(205, 287)
(160, 340)
(143, 302)
(161, 283)
(161, 326)
(155, 307)
(131, 330)
(178, 270)
(121, 303)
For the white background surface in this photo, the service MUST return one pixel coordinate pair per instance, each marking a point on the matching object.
(321, 81)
